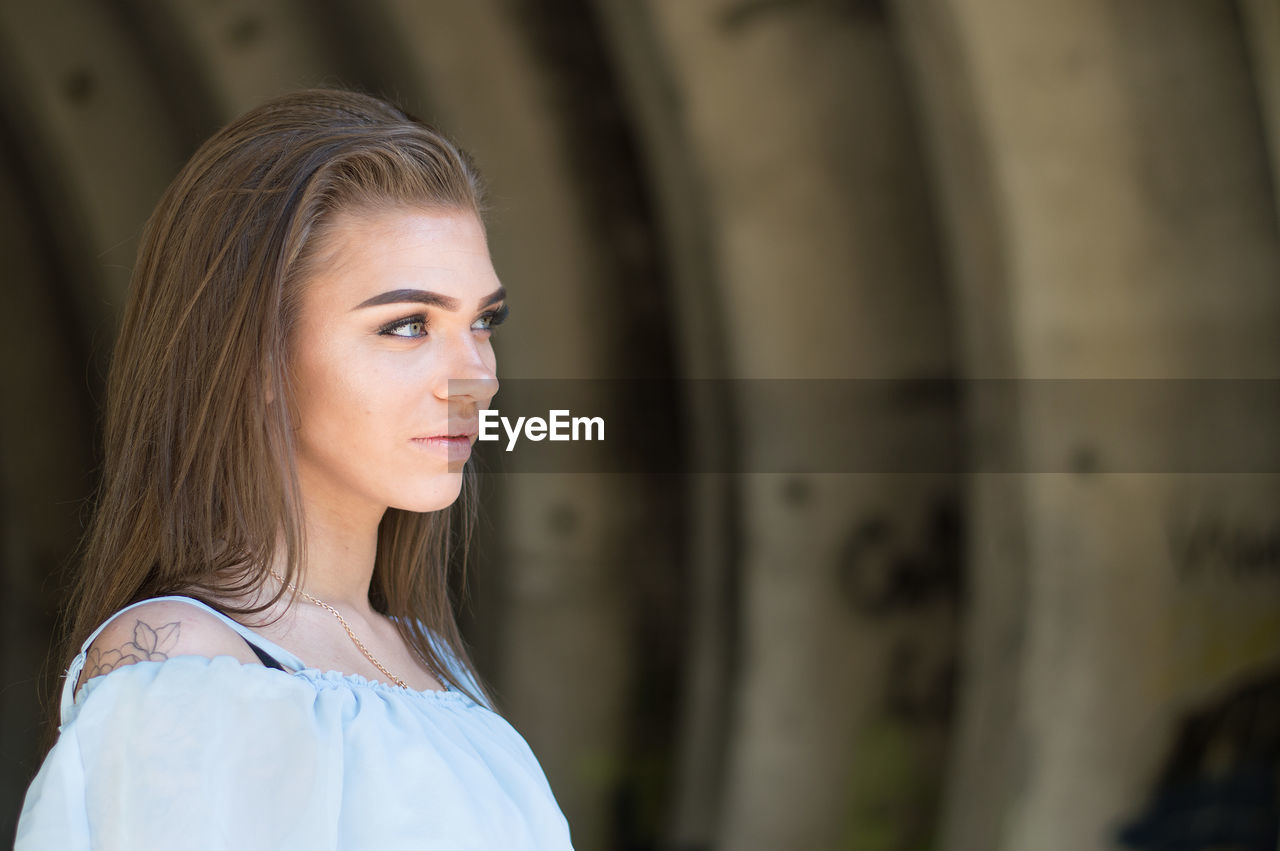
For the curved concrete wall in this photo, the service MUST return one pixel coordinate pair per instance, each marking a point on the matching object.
(757, 195)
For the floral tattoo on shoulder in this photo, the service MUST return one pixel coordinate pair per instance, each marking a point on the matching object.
(148, 645)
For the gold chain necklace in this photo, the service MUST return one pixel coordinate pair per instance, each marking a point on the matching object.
(322, 604)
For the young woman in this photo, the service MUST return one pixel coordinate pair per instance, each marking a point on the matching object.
(267, 657)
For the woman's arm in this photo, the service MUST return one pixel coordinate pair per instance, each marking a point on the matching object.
(180, 737)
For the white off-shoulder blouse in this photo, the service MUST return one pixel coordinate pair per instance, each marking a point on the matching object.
(210, 753)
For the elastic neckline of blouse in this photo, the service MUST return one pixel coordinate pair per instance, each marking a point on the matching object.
(337, 678)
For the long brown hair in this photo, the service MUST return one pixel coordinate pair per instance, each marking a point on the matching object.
(199, 492)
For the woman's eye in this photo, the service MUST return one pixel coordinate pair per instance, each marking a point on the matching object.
(491, 320)
(412, 326)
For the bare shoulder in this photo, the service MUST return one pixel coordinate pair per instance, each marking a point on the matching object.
(159, 630)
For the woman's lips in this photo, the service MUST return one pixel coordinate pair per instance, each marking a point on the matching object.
(457, 447)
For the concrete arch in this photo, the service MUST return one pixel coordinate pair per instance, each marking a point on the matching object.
(1117, 146)
(823, 254)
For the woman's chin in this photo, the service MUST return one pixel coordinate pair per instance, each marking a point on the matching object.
(443, 493)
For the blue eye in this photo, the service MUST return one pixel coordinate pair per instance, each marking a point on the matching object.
(410, 327)
(491, 320)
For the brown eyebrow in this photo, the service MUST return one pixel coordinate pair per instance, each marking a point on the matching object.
(427, 297)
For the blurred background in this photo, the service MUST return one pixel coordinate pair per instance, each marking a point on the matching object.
(735, 652)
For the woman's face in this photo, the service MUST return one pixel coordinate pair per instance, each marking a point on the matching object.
(401, 304)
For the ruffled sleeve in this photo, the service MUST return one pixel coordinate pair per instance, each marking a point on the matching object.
(192, 753)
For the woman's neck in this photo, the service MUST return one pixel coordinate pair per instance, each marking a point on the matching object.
(341, 545)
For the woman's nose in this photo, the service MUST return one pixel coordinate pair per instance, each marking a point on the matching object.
(469, 374)
(478, 391)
